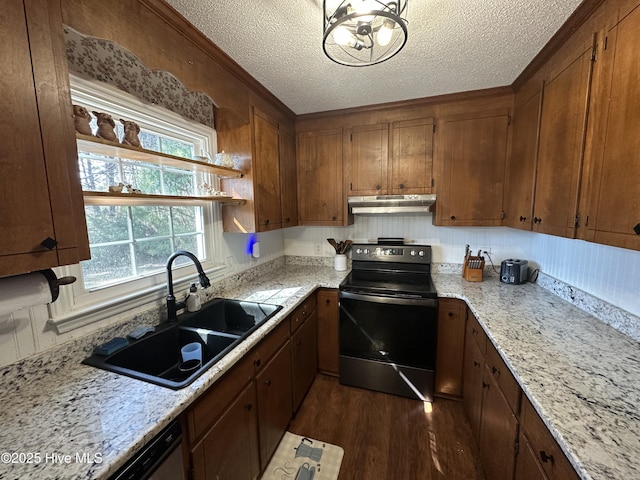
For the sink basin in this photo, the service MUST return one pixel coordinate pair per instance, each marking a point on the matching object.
(219, 327)
(235, 317)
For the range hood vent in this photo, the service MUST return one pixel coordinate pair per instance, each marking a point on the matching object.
(391, 204)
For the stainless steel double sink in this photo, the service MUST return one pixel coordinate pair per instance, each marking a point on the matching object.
(220, 326)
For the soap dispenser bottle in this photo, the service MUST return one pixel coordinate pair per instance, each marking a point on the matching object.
(193, 299)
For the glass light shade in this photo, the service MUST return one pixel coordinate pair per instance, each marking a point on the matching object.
(364, 32)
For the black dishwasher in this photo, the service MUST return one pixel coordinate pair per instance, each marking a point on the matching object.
(160, 459)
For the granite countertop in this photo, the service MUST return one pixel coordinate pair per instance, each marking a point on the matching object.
(581, 375)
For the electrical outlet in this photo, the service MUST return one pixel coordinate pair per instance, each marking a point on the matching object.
(486, 250)
(317, 249)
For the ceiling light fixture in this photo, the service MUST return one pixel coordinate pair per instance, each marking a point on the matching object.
(358, 33)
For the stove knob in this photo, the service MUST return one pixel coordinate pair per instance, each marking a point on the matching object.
(413, 253)
(358, 251)
(367, 251)
(421, 253)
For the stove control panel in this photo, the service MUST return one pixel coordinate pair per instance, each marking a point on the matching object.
(392, 253)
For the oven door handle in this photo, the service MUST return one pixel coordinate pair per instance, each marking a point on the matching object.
(389, 300)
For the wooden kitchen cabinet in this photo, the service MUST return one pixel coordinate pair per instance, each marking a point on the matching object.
(473, 157)
(563, 122)
(473, 373)
(320, 187)
(328, 332)
(41, 208)
(521, 167)
(264, 151)
(411, 163)
(304, 349)
(612, 215)
(366, 159)
(540, 456)
(273, 384)
(452, 316)
(230, 447)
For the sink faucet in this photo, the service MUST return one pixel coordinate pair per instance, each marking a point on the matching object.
(172, 305)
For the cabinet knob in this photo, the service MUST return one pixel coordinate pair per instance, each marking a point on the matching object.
(473, 330)
(267, 382)
(637, 229)
(49, 243)
(537, 220)
(523, 219)
(485, 385)
(334, 218)
(450, 314)
(288, 219)
(327, 301)
(401, 185)
(545, 458)
(248, 407)
(453, 217)
(495, 370)
(266, 222)
(476, 364)
(256, 362)
(378, 187)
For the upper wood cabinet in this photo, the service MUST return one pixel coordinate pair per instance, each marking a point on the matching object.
(388, 158)
(473, 155)
(41, 208)
(411, 166)
(612, 212)
(521, 166)
(563, 122)
(320, 194)
(264, 151)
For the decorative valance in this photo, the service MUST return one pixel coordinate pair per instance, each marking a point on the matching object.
(108, 62)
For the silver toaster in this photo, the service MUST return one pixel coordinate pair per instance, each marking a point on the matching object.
(514, 271)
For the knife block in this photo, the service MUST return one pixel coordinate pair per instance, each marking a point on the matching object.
(473, 268)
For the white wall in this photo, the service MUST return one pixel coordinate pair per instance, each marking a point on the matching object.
(605, 272)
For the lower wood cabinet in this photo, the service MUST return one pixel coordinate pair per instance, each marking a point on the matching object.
(328, 330)
(540, 456)
(452, 315)
(304, 358)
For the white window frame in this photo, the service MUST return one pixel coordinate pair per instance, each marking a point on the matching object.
(77, 307)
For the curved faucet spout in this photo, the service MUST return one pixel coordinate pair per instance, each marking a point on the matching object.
(172, 305)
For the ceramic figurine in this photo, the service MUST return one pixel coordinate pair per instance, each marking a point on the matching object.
(131, 131)
(105, 126)
(116, 188)
(82, 118)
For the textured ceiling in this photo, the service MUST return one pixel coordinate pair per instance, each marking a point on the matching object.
(453, 46)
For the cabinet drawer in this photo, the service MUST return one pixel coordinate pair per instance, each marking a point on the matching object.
(269, 345)
(504, 378)
(554, 463)
(212, 403)
(303, 312)
(475, 331)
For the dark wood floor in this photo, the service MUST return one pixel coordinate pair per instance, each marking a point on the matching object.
(389, 437)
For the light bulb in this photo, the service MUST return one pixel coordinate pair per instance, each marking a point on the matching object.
(385, 33)
(342, 35)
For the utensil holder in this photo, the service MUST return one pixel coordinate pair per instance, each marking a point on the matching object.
(473, 268)
(340, 262)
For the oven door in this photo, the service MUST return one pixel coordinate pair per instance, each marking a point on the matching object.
(388, 343)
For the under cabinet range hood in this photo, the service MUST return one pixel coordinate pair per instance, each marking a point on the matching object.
(389, 204)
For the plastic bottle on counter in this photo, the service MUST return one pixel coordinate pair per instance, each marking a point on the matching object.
(193, 299)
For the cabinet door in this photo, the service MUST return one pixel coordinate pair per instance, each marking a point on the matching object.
(521, 167)
(328, 330)
(412, 156)
(614, 214)
(451, 331)
(267, 172)
(561, 148)
(274, 402)
(230, 448)
(304, 359)
(320, 199)
(367, 159)
(498, 428)
(288, 178)
(474, 154)
(527, 465)
(472, 383)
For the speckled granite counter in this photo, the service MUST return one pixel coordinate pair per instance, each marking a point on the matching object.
(582, 376)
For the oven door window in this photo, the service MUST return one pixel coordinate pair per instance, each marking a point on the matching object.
(398, 334)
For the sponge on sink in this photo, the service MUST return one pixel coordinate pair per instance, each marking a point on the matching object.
(111, 346)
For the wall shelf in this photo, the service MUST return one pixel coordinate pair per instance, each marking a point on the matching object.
(113, 149)
(111, 198)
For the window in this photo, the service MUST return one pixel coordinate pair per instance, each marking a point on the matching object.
(130, 243)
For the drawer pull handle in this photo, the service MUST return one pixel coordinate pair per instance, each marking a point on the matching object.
(545, 458)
